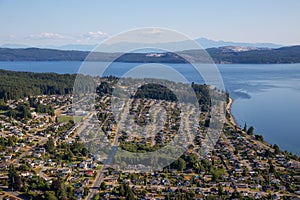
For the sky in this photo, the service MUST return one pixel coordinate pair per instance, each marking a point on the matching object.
(60, 22)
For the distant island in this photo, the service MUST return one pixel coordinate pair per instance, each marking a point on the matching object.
(220, 55)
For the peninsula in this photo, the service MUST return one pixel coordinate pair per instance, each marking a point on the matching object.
(43, 156)
(227, 54)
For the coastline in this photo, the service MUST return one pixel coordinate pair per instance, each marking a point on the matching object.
(228, 109)
(234, 123)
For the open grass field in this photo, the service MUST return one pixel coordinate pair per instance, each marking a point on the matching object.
(66, 118)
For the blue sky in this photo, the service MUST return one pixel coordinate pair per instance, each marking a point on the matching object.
(58, 22)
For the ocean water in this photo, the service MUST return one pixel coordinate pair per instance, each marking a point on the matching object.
(265, 96)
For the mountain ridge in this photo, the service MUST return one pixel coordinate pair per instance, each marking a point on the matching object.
(203, 42)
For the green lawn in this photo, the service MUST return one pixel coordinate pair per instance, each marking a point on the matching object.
(99, 167)
(66, 118)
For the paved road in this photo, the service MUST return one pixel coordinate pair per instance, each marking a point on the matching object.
(26, 153)
(96, 185)
(15, 194)
(100, 173)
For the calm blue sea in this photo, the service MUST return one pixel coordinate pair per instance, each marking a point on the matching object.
(265, 96)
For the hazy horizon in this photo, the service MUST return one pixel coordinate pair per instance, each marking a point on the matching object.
(58, 23)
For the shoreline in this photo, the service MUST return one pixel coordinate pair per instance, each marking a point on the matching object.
(228, 109)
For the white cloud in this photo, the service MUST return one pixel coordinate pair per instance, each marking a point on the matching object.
(91, 37)
(46, 35)
(95, 35)
(52, 38)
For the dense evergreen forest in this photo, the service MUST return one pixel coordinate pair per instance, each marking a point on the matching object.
(154, 91)
(157, 91)
(15, 85)
(268, 56)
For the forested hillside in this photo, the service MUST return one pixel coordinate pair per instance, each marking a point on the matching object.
(219, 55)
(14, 85)
(267, 56)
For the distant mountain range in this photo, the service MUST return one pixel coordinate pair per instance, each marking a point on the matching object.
(207, 43)
(175, 46)
(228, 54)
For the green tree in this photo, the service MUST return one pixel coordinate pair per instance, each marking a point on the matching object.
(181, 164)
(271, 168)
(60, 188)
(217, 173)
(85, 191)
(245, 171)
(84, 151)
(24, 111)
(25, 167)
(236, 195)
(14, 179)
(68, 155)
(97, 197)
(276, 149)
(168, 197)
(259, 138)
(129, 194)
(245, 127)
(122, 190)
(103, 186)
(220, 190)
(250, 130)
(3, 105)
(12, 113)
(12, 141)
(126, 191)
(50, 195)
(50, 146)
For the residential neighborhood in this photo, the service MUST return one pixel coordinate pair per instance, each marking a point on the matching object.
(49, 149)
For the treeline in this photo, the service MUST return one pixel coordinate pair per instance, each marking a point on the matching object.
(218, 55)
(160, 92)
(268, 56)
(155, 91)
(15, 85)
(36, 54)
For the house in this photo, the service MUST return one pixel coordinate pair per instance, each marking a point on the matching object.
(66, 171)
(258, 195)
(207, 178)
(244, 186)
(275, 181)
(89, 173)
(16, 149)
(7, 158)
(25, 174)
(37, 155)
(42, 150)
(275, 197)
(79, 192)
(83, 165)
